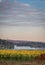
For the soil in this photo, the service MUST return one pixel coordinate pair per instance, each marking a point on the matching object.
(22, 63)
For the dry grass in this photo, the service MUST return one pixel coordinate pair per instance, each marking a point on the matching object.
(22, 63)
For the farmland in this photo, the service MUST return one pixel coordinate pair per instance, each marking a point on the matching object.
(21, 57)
(23, 52)
(9, 56)
(20, 54)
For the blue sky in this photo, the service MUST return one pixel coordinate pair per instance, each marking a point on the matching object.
(36, 3)
(40, 4)
(22, 19)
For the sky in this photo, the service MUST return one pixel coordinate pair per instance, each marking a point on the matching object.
(22, 20)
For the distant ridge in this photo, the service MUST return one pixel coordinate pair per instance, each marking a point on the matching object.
(22, 43)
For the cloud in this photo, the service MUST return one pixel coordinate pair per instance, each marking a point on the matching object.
(20, 14)
(26, 5)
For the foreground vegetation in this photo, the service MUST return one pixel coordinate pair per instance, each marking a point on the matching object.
(20, 55)
(34, 62)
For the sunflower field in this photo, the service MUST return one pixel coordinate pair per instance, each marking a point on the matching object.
(20, 54)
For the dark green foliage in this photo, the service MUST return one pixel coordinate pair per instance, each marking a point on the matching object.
(18, 57)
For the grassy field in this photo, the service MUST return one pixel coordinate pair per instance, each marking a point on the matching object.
(22, 57)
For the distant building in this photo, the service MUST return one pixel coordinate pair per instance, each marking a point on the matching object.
(22, 47)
